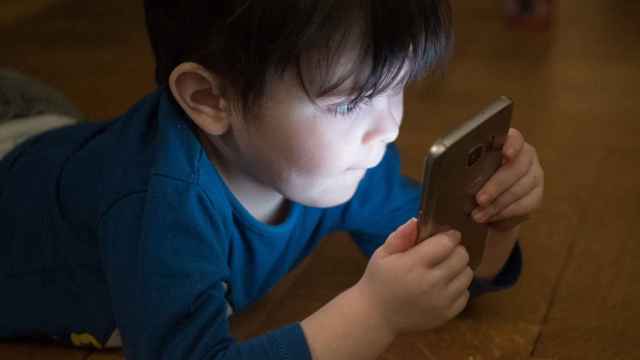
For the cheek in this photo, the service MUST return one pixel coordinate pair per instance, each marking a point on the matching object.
(317, 151)
(318, 158)
(312, 188)
(311, 170)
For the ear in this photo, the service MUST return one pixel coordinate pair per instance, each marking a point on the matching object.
(199, 94)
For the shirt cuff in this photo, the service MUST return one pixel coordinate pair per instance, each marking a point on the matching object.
(506, 278)
(290, 343)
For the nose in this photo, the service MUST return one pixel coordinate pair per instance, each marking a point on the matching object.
(385, 127)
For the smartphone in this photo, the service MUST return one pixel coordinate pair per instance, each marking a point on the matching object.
(456, 167)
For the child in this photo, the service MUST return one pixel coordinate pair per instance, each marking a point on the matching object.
(272, 126)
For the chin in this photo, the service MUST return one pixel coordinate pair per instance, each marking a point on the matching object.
(329, 202)
(326, 198)
(327, 193)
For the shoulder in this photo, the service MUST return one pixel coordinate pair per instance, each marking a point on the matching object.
(166, 200)
(169, 226)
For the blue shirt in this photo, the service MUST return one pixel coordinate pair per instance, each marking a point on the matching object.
(127, 225)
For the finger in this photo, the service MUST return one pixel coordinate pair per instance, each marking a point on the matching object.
(522, 207)
(402, 239)
(435, 249)
(516, 192)
(453, 265)
(460, 283)
(504, 178)
(459, 305)
(514, 144)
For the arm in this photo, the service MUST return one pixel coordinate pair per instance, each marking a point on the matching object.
(165, 279)
(398, 293)
(348, 327)
(168, 309)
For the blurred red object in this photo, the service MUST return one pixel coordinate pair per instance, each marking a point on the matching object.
(529, 14)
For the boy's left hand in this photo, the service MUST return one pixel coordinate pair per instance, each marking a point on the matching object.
(515, 190)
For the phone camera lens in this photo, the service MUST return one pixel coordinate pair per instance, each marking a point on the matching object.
(474, 155)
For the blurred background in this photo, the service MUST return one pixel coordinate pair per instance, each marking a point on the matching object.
(572, 68)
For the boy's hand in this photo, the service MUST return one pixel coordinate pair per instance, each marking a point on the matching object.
(416, 287)
(515, 190)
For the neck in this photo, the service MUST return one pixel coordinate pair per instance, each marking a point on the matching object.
(262, 202)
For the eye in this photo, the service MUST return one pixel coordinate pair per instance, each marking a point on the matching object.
(345, 109)
(348, 108)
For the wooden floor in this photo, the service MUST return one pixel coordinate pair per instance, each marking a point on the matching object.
(576, 93)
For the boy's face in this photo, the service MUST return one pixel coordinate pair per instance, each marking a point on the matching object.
(308, 153)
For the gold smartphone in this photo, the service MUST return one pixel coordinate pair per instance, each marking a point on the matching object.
(455, 169)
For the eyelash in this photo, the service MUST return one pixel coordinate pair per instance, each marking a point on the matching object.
(351, 109)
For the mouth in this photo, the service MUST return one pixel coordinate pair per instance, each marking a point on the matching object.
(370, 164)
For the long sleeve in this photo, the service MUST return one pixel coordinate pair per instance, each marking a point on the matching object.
(385, 200)
(165, 266)
(506, 278)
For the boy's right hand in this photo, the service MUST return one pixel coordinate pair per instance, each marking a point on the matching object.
(417, 287)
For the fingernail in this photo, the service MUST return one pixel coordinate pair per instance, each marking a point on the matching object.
(484, 198)
(403, 225)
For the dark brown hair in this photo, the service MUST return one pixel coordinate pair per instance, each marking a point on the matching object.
(247, 42)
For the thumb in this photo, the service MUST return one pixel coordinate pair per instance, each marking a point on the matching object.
(402, 239)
